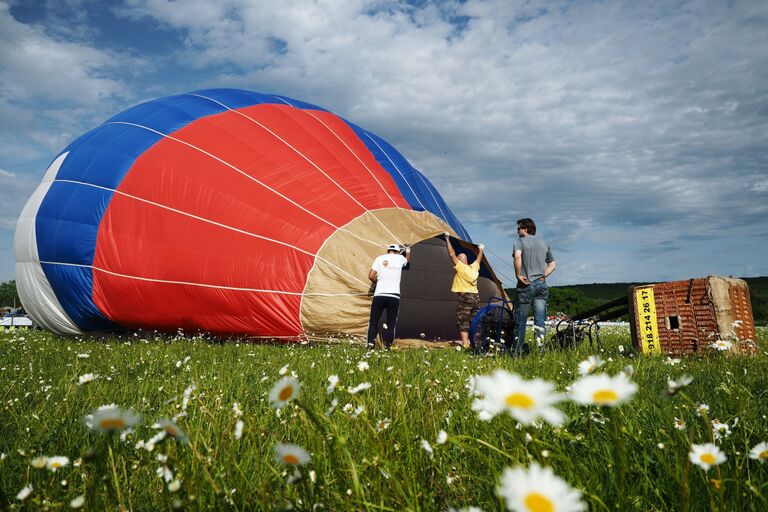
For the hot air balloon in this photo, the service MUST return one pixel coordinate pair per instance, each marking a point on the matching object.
(235, 213)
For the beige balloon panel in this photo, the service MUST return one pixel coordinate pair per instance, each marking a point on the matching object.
(334, 302)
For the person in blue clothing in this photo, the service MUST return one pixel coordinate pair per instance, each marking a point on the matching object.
(533, 264)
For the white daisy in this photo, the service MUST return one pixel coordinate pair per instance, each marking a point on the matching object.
(673, 386)
(111, 418)
(284, 390)
(239, 429)
(702, 409)
(759, 452)
(538, 489)
(291, 454)
(360, 387)
(442, 437)
(602, 389)
(427, 448)
(383, 424)
(24, 493)
(172, 430)
(720, 430)
(55, 463)
(680, 424)
(706, 455)
(525, 400)
(721, 345)
(591, 364)
(174, 486)
(39, 462)
(77, 502)
(362, 366)
(332, 381)
(86, 378)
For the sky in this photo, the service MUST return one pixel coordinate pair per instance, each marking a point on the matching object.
(635, 134)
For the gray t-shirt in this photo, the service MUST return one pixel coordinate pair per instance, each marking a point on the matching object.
(536, 255)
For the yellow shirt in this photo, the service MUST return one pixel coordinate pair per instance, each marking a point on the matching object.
(465, 280)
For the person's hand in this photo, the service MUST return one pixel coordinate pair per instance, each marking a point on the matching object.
(481, 246)
(523, 280)
(446, 235)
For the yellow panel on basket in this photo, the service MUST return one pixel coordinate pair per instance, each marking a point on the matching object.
(648, 330)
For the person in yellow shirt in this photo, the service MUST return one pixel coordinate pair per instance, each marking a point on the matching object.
(465, 286)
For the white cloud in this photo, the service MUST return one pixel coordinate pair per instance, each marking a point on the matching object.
(617, 126)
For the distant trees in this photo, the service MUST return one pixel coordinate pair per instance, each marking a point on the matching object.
(9, 294)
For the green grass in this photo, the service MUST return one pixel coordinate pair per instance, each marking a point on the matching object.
(355, 467)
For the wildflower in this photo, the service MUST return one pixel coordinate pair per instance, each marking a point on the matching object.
(602, 389)
(360, 387)
(673, 386)
(237, 410)
(174, 486)
(291, 455)
(55, 463)
(427, 448)
(680, 424)
(332, 408)
(383, 424)
(39, 462)
(628, 371)
(283, 370)
(77, 502)
(284, 390)
(358, 411)
(672, 362)
(525, 400)
(538, 489)
(591, 364)
(239, 429)
(172, 430)
(759, 452)
(332, 381)
(706, 455)
(24, 493)
(111, 418)
(720, 430)
(721, 345)
(362, 366)
(702, 409)
(86, 378)
(442, 437)
(83, 356)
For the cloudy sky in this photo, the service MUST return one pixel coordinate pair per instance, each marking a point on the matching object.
(634, 133)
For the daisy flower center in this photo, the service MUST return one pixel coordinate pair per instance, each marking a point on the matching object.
(290, 459)
(708, 458)
(519, 400)
(763, 455)
(285, 393)
(605, 396)
(170, 430)
(57, 464)
(536, 502)
(112, 423)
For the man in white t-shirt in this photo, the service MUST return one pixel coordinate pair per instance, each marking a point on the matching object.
(386, 271)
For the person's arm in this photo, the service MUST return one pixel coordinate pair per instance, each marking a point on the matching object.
(480, 253)
(373, 275)
(551, 266)
(451, 252)
(408, 253)
(519, 268)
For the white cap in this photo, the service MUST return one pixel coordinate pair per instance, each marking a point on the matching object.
(393, 247)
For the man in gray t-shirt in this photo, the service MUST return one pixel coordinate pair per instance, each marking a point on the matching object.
(533, 264)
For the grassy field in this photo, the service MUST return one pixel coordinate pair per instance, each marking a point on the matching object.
(380, 448)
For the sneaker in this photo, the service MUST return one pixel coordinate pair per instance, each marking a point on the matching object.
(370, 346)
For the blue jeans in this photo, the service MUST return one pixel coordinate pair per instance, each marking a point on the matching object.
(537, 294)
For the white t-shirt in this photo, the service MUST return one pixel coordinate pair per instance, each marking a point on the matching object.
(389, 268)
